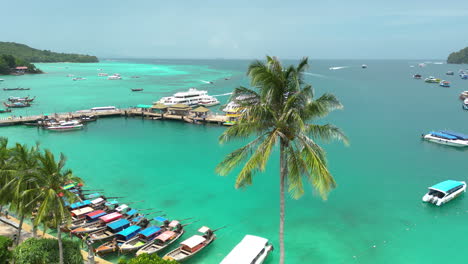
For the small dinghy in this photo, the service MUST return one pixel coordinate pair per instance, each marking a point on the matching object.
(444, 192)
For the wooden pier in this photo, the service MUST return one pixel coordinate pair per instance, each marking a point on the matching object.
(127, 112)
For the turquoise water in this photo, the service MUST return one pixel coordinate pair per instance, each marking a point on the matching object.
(374, 216)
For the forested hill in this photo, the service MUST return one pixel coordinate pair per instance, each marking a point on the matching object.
(29, 54)
(458, 57)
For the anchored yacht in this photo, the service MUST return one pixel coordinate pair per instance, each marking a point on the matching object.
(191, 97)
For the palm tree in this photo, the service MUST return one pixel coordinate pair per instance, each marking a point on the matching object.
(7, 169)
(50, 178)
(278, 112)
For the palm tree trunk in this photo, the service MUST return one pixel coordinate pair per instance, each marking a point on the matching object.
(20, 226)
(59, 238)
(283, 173)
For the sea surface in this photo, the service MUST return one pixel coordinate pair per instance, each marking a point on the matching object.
(375, 215)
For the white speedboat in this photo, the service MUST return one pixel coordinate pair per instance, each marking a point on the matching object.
(465, 104)
(444, 192)
(447, 138)
(192, 97)
(207, 100)
(102, 74)
(463, 95)
(115, 76)
(364, 66)
(251, 250)
(79, 79)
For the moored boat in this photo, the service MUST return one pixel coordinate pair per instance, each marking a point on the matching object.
(251, 250)
(208, 101)
(137, 89)
(8, 110)
(444, 83)
(16, 89)
(163, 240)
(110, 230)
(115, 76)
(101, 224)
(432, 79)
(445, 139)
(417, 76)
(364, 66)
(191, 246)
(14, 99)
(145, 236)
(463, 95)
(89, 218)
(102, 74)
(65, 126)
(449, 73)
(465, 104)
(191, 97)
(120, 238)
(17, 105)
(78, 78)
(444, 192)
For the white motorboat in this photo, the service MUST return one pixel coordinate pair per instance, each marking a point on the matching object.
(65, 126)
(444, 192)
(79, 79)
(447, 138)
(251, 250)
(364, 66)
(463, 95)
(115, 76)
(465, 104)
(207, 100)
(102, 74)
(192, 98)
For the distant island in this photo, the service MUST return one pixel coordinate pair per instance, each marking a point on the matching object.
(17, 58)
(460, 57)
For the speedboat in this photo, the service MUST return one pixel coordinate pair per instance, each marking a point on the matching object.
(1, 80)
(115, 76)
(444, 192)
(449, 73)
(432, 79)
(444, 83)
(251, 250)
(192, 98)
(137, 89)
(207, 100)
(79, 79)
(447, 138)
(464, 76)
(65, 126)
(364, 66)
(417, 76)
(464, 95)
(101, 74)
(465, 104)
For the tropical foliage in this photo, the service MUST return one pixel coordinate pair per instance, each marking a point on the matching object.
(5, 253)
(281, 110)
(458, 57)
(45, 251)
(146, 259)
(9, 62)
(29, 54)
(31, 183)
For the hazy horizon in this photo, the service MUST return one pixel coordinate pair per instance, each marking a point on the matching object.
(240, 30)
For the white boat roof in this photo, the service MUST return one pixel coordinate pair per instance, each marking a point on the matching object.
(191, 91)
(122, 207)
(193, 241)
(203, 229)
(96, 201)
(246, 250)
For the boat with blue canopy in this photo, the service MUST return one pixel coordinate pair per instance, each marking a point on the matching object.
(80, 204)
(174, 231)
(143, 237)
(455, 134)
(444, 192)
(110, 230)
(444, 138)
(119, 239)
(88, 218)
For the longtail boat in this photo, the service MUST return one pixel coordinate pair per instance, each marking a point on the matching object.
(145, 236)
(89, 218)
(16, 89)
(21, 99)
(104, 222)
(110, 230)
(119, 239)
(137, 89)
(191, 246)
(163, 240)
(17, 105)
(5, 110)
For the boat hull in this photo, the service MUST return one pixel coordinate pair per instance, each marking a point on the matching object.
(448, 142)
(180, 256)
(151, 248)
(445, 199)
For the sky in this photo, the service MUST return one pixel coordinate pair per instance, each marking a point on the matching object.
(240, 29)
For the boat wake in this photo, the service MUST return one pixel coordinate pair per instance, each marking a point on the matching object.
(315, 75)
(206, 82)
(338, 68)
(222, 94)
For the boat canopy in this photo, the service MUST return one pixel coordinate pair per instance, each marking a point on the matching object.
(150, 231)
(113, 202)
(96, 214)
(82, 211)
(160, 219)
(446, 186)
(121, 208)
(442, 135)
(97, 201)
(173, 223)
(110, 217)
(166, 236)
(203, 229)
(80, 204)
(129, 232)
(118, 224)
(193, 241)
(132, 212)
(144, 106)
(455, 134)
(93, 195)
(246, 251)
(69, 186)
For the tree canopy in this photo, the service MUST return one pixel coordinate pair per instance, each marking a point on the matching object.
(459, 57)
(9, 62)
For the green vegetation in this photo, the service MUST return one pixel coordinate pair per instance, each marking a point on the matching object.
(9, 62)
(458, 57)
(5, 253)
(45, 251)
(147, 259)
(29, 54)
(277, 113)
(31, 183)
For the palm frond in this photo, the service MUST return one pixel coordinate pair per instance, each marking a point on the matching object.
(326, 132)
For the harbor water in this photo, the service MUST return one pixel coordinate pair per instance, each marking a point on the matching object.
(375, 215)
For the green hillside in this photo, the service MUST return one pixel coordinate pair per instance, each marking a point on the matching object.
(459, 57)
(26, 53)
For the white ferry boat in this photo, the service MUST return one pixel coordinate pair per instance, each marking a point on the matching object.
(447, 138)
(192, 97)
(444, 192)
(251, 250)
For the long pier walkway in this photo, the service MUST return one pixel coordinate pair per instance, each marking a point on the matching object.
(210, 118)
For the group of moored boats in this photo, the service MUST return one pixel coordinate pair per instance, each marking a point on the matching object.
(19, 102)
(62, 125)
(432, 79)
(117, 227)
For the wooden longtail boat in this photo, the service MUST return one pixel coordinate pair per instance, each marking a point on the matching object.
(137, 89)
(110, 230)
(21, 99)
(5, 110)
(16, 89)
(163, 240)
(104, 222)
(17, 105)
(88, 219)
(191, 246)
(146, 236)
(120, 238)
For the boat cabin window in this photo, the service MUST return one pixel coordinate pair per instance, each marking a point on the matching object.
(436, 193)
(455, 189)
